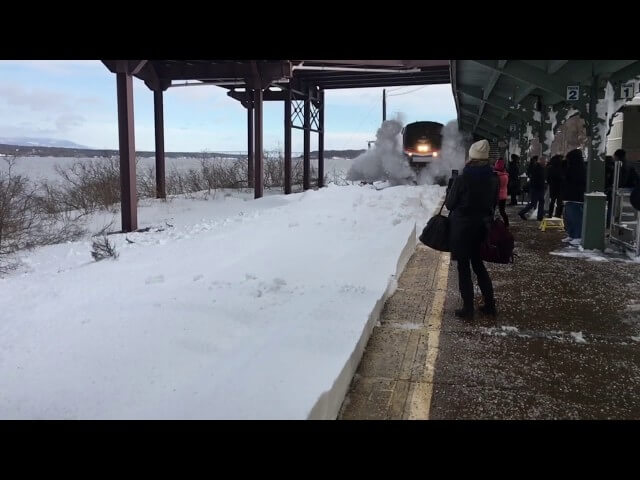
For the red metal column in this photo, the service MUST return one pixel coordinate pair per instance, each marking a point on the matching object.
(250, 135)
(129, 199)
(160, 163)
(321, 139)
(287, 142)
(257, 106)
(306, 165)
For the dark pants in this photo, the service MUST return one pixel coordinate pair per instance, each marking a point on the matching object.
(503, 213)
(514, 198)
(557, 199)
(537, 198)
(466, 285)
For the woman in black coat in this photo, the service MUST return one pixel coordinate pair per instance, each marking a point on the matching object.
(471, 201)
(555, 179)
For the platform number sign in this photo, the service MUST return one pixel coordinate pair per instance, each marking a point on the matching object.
(627, 90)
(573, 92)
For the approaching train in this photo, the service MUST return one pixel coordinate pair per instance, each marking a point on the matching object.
(422, 143)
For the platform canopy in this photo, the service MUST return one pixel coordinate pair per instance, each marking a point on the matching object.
(494, 95)
(325, 74)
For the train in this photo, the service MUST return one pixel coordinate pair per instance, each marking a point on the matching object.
(422, 142)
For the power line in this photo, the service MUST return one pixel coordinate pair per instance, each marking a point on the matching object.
(405, 93)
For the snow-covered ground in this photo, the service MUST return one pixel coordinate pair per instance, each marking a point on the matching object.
(43, 168)
(610, 254)
(227, 308)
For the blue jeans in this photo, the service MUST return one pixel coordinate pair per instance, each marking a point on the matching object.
(573, 219)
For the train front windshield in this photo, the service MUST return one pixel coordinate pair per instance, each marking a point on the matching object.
(423, 139)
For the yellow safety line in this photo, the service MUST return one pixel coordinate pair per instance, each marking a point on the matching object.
(423, 390)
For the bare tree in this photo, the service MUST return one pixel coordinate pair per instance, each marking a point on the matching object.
(26, 220)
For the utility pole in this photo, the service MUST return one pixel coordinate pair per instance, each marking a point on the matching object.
(384, 104)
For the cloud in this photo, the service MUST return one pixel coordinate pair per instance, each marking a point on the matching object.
(24, 129)
(94, 100)
(66, 121)
(58, 67)
(38, 111)
(36, 99)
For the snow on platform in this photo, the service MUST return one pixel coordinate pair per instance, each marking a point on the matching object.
(240, 309)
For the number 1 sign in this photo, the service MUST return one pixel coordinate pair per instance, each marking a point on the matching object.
(627, 90)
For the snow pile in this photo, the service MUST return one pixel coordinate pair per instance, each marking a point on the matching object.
(228, 308)
(577, 336)
(606, 108)
(44, 168)
(507, 328)
(528, 134)
(554, 335)
(386, 160)
(608, 255)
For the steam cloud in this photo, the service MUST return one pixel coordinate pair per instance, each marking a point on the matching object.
(386, 161)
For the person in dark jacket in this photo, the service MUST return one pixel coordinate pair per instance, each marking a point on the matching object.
(532, 163)
(472, 201)
(609, 170)
(527, 188)
(555, 179)
(574, 186)
(628, 175)
(514, 178)
(536, 189)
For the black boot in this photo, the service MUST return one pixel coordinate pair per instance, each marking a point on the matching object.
(489, 309)
(464, 313)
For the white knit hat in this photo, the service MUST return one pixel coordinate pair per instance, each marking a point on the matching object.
(479, 150)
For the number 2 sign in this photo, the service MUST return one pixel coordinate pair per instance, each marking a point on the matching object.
(573, 92)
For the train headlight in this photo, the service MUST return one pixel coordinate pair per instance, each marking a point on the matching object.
(423, 148)
(435, 154)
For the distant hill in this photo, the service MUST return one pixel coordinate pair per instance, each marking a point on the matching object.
(39, 142)
(339, 153)
(54, 151)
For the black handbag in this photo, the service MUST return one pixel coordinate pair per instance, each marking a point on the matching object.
(436, 233)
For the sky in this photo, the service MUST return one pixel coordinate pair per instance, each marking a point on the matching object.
(75, 100)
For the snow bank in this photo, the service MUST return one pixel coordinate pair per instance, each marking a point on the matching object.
(227, 309)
